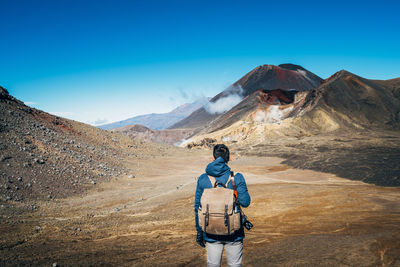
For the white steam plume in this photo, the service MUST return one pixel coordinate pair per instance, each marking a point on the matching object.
(230, 97)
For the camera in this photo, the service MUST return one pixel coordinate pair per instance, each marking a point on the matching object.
(247, 224)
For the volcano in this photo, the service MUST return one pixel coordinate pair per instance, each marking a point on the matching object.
(280, 80)
(343, 102)
(348, 125)
(286, 77)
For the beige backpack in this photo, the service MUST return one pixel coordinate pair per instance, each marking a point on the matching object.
(218, 212)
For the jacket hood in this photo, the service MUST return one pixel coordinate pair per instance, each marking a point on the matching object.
(217, 168)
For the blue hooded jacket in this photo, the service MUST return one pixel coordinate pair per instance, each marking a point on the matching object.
(221, 171)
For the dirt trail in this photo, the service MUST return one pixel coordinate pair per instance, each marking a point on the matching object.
(301, 218)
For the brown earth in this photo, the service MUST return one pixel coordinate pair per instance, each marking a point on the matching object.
(300, 217)
(371, 157)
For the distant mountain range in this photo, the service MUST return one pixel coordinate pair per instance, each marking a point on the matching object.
(159, 121)
(166, 136)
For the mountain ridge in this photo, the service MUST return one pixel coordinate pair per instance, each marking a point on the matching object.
(159, 121)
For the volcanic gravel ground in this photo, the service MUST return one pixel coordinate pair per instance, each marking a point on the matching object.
(371, 157)
(300, 217)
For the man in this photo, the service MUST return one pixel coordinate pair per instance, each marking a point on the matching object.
(215, 243)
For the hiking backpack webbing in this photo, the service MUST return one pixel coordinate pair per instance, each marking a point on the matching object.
(214, 181)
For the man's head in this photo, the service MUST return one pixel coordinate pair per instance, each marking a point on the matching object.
(222, 151)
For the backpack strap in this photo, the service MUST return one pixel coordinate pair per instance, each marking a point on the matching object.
(231, 178)
(212, 180)
(227, 182)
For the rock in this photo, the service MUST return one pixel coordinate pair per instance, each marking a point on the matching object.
(131, 176)
(27, 164)
(55, 264)
(39, 161)
(5, 157)
(93, 182)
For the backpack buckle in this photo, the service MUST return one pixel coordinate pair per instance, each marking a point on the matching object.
(206, 218)
(219, 183)
(226, 218)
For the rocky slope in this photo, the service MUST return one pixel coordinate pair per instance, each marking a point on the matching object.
(393, 85)
(349, 101)
(44, 157)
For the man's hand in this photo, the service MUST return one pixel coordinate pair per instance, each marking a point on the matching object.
(200, 239)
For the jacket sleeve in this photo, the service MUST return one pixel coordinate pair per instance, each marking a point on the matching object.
(198, 194)
(243, 194)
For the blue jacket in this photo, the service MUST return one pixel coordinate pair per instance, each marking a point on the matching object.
(221, 171)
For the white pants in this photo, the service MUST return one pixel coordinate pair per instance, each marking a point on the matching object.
(233, 251)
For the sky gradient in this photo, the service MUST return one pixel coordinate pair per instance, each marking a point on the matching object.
(103, 61)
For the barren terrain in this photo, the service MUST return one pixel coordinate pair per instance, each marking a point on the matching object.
(300, 217)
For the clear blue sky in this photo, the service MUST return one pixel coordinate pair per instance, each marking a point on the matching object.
(99, 60)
